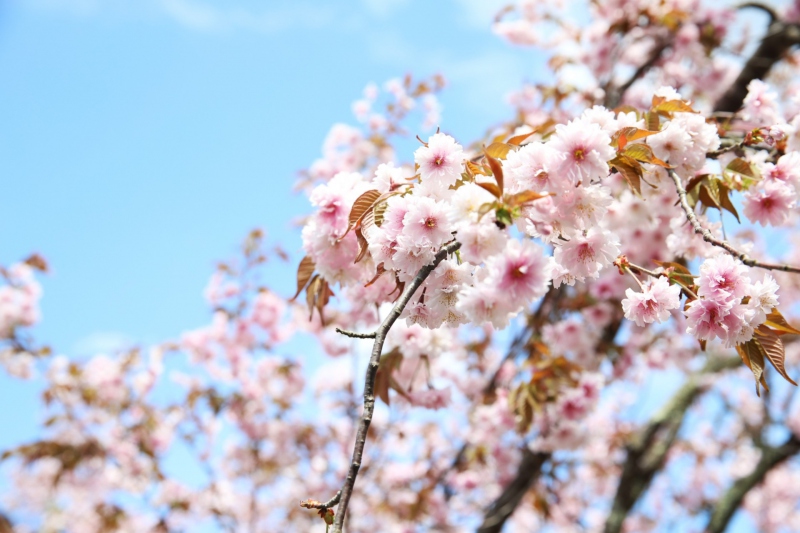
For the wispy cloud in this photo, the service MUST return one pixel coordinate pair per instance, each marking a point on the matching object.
(479, 13)
(208, 16)
(204, 16)
(102, 342)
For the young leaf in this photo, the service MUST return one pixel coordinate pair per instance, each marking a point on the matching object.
(643, 153)
(653, 121)
(752, 354)
(631, 170)
(740, 166)
(474, 169)
(773, 350)
(776, 321)
(630, 134)
(725, 200)
(491, 187)
(304, 272)
(524, 197)
(361, 205)
(519, 139)
(497, 171)
(363, 245)
(498, 150)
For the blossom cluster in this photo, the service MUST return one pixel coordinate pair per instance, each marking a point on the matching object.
(730, 306)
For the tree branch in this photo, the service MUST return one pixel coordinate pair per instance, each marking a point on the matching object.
(730, 501)
(780, 37)
(504, 506)
(614, 94)
(369, 382)
(355, 335)
(648, 450)
(725, 245)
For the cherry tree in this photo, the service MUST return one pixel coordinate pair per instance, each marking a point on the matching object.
(491, 314)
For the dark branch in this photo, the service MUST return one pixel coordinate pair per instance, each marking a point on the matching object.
(648, 450)
(355, 335)
(369, 381)
(730, 501)
(725, 245)
(614, 94)
(780, 37)
(503, 507)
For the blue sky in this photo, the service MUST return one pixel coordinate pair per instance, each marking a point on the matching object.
(140, 140)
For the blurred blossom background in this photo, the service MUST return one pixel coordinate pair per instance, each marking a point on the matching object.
(140, 140)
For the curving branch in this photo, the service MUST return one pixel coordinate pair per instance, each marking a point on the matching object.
(725, 245)
(504, 506)
(730, 501)
(615, 94)
(648, 450)
(780, 37)
(369, 381)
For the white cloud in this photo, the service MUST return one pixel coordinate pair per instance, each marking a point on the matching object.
(204, 16)
(102, 342)
(480, 13)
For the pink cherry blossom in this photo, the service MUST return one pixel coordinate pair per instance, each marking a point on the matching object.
(441, 160)
(585, 150)
(653, 304)
(769, 203)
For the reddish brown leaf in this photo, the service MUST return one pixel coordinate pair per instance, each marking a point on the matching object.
(491, 187)
(752, 354)
(361, 205)
(725, 201)
(498, 150)
(379, 271)
(740, 166)
(304, 272)
(522, 198)
(643, 153)
(363, 245)
(653, 121)
(497, 171)
(773, 350)
(475, 169)
(776, 321)
(37, 262)
(630, 134)
(519, 139)
(631, 170)
(666, 108)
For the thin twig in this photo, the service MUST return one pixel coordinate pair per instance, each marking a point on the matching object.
(725, 245)
(355, 335)
(369, 381)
